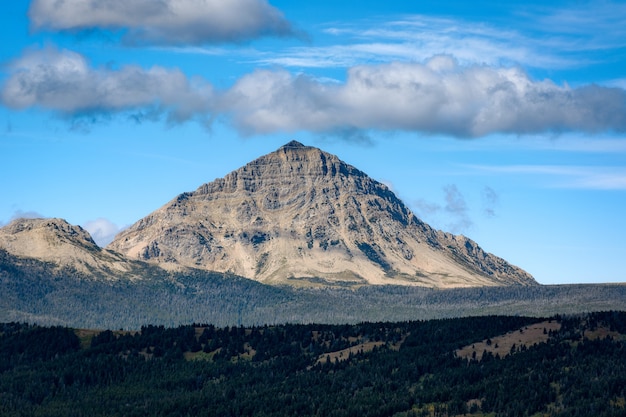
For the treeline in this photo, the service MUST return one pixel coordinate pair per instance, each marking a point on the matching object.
(409, 369)
(36, 292)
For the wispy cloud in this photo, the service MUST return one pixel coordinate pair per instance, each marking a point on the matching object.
(21, 214)
(426, 210)
(583, 26)
(490, 200)
(576, 177)
(619, 83)
(415, 38)
(452, 215)
(102, 230)
(193, 50)
(457, 209)
(585, 144)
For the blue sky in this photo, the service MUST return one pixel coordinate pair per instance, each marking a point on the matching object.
(503, 122)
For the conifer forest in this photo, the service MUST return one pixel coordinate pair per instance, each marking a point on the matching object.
(571, 365)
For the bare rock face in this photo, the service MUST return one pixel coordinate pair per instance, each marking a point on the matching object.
(65, 245)
(302, 217)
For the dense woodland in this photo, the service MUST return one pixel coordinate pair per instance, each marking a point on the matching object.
(395, 369)
(38, 292)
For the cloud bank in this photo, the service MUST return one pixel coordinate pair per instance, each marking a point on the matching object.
(164, 22)
(436, 97)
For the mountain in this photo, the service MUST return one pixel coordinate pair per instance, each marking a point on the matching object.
(65, 246)
(302, 217)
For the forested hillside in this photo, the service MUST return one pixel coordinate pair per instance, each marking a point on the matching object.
(393, 369)
(36, 292)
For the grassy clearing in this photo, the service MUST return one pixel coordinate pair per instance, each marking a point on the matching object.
(508, 343)
(85, 336)
(344, 354)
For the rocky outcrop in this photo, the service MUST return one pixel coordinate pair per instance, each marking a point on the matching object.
(302, 217)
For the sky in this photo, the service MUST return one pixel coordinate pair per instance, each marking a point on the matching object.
(502, 122)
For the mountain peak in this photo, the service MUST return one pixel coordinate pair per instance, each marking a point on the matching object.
(302, 217)
(293, 144)
(50, 239)
(48, 229)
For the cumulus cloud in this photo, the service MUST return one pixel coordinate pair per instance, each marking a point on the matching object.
(439, 97)
(164, 22)
(436, 97)
(102, 231)
(63, 81)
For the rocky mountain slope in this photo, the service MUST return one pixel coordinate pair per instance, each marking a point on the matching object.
(302, 217)
(65, 246)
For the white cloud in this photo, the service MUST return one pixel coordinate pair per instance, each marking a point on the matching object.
(102, 231)
(436, 97)
(164, 22)
(439, 97)
(63, 81)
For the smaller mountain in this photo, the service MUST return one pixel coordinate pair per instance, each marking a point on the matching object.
(66, 246)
